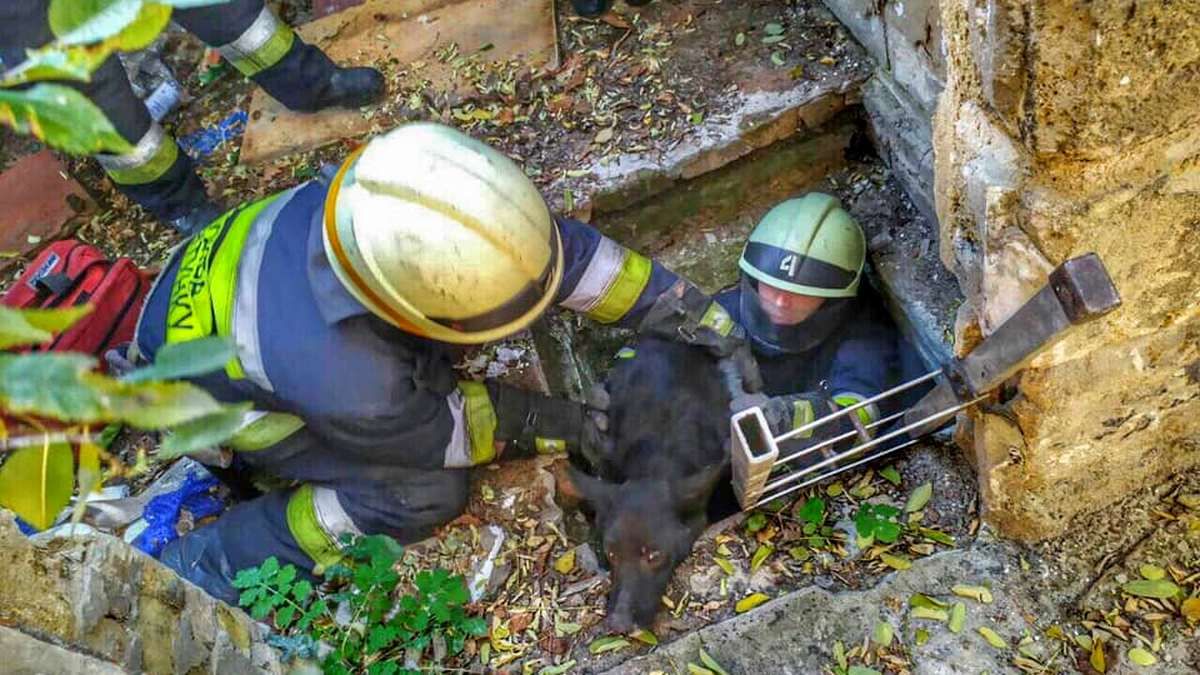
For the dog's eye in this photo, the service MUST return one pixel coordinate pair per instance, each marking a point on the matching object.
(652, 556)
(612, 557)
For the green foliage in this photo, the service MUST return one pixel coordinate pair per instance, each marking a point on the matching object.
(61, 117)
(36, 482)
(383, 628)
(755, 522)
(127, 25)
(185, 359)
(35, 326)
(204, 432)
(877, 522)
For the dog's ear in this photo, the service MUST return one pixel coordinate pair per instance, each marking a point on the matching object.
(595, 491)
(691, 494)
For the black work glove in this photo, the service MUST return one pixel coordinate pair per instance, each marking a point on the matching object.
(792, 411)
(686, 314)
(547, 424)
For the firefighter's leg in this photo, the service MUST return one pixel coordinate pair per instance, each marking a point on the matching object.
(155, 172)
(303, 526)
(263, 48)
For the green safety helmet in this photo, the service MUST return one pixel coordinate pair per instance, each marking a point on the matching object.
(808, 245)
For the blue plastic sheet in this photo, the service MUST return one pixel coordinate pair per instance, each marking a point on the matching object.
(162, 512)
(202, 143)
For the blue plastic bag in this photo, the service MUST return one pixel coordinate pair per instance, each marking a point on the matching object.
(162, 512)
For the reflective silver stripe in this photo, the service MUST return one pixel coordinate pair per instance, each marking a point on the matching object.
(458, 450)
(331, 516)
(253, 38)
(244, 324)
(872, 409)
(143, 152)
(601, 272)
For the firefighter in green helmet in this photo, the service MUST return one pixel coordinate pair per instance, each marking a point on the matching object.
(820, 334)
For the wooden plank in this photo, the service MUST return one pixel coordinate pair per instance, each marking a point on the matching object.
(400, 31)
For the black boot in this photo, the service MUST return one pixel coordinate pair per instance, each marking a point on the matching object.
(591, 8)
(197, 219)
(352, 88)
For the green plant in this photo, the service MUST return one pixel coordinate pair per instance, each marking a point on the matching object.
(877, 522)
(86, 33)
(383, 630)
(52, 400)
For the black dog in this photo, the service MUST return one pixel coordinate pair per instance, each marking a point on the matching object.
(669, 424)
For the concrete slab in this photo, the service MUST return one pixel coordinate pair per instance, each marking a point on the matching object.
(400, 32)
(38, 203)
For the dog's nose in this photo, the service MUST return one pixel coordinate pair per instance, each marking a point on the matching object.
(619, 623)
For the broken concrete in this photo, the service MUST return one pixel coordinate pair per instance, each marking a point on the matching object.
(96, 595)
(1041, 160)
(38, 204)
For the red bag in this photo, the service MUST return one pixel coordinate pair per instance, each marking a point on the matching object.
(69, 273)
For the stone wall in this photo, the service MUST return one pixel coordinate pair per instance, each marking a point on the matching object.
(1066, 128)
(905, 39)
(95, 605)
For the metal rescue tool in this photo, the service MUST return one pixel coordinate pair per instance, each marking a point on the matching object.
(1078, 291)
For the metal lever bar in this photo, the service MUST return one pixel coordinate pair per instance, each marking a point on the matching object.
(792, 478)
(798, 431)
(836, 439)
(840, 469)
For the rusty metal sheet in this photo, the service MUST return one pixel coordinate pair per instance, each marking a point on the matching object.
(407, 31)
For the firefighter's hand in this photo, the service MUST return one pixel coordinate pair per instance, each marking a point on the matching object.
(595, 442)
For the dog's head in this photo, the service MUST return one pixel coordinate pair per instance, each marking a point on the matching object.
(647, 528)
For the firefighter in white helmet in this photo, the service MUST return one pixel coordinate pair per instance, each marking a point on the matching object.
(342, 296)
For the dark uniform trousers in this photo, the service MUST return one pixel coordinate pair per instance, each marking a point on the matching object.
(156, 173)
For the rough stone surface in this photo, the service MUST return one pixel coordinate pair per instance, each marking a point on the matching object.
(26, 655)
(795, 634)
(1037, 162)
(903, 135)
(38, 203)
(98, 596)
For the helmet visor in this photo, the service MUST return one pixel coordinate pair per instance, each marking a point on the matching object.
(774, 338)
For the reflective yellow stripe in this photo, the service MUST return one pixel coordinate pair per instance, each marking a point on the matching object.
(481, 421)
(268, 54)
(549, 446)
(626, 353)
(847, 400)
(149, 170)
(202, 296)
(620, 297)
(717, 319)
(306, 528)
(265, 432)
(802, 413)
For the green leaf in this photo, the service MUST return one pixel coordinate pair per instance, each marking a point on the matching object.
(895, 562)
(36, 483)
(976, 593)
(958, 617)
(269, 568)
(930, 613)
(877, 521)
(608, 644)
(750, 602)
(773, 28)
(711, 663)
(739, 39)
(862, 670)
(922, 636)
(179, 360)
(921, 600)
(302, 590)
(154, 405)
(475, 626)
(760, 555)
(204, 432)
(49, 384)
(283, 618)
(839, 654)
(1146, 588)
(777, 58)
(755, 522)
(919, 498)
(127, 25)
(812, 512)
(643, 635)
(247, 578)
(883, 634)
(725, 565)
(54, 63)
(891, 475)
(992, 637)
(35, 326)
(561, 668)
(936, 536)
(694, 669)
(61, 117)
(1142, 657)
(1152, 572)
